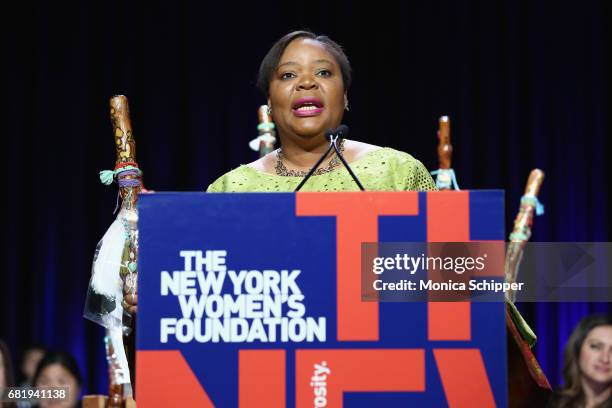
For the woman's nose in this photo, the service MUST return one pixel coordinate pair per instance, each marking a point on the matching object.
(307, 82)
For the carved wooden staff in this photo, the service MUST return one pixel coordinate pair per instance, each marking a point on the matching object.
(129, 179)
(521, 232)
(115, 267)
(130, 184)
(445, 175)
(527, 382)
(264, 143)
(115, 387)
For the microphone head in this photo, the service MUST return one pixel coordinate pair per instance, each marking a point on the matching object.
(341, 131)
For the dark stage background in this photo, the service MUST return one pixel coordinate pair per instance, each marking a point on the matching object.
(526, 84)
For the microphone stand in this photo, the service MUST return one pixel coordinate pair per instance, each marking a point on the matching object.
(333, 144)
(314, 168)
(341, 157)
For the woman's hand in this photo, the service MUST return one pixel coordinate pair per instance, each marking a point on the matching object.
(130, 302)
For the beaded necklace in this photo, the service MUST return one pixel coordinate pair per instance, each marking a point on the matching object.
(281, 169)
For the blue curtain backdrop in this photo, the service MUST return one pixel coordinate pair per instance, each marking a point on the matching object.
(526, 84)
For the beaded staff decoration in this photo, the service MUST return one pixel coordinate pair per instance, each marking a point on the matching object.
(264, 143)
(115, 264)
(128, 177)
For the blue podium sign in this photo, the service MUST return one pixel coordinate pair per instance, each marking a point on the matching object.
(254, 300)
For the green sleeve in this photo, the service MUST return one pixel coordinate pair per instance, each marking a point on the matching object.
(410, 173)
(422, 180)
(218, 186)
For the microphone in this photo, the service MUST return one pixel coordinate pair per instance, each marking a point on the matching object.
(333, 135)
(341, 131)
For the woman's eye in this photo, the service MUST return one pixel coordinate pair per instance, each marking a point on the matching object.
(287, 75)
(595, 346)
(324, 72)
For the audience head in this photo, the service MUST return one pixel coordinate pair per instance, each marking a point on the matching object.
(31, 357)
(59, 369)
(6, 368)
(587, 368)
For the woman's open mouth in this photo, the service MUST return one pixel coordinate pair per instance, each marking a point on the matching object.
(306, 107)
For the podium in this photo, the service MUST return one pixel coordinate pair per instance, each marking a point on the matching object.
(254, 300)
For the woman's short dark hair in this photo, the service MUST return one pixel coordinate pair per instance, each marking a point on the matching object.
(272, 58)
(58, 357)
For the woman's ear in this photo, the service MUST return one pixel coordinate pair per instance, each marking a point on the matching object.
(346, 104)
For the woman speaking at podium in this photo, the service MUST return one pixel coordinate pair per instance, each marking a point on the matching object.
(306, 78)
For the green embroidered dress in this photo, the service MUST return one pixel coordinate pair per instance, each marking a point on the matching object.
(383, 169)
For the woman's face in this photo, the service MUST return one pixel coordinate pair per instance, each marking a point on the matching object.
(596, 356)
(56, 375)
(306, 90)
(30, 362)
